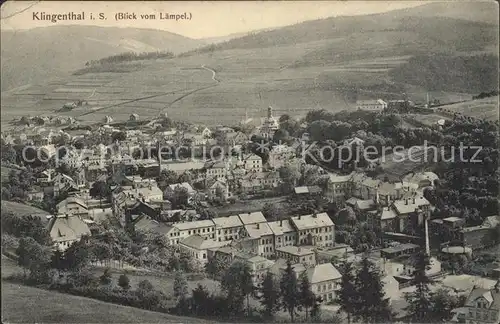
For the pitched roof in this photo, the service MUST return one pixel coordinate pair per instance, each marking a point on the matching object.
(311, 221)
(365, 204)
(227, 222)
(491, 295)
(388, 213)
(370, 102)
(252, 218)
(194, 225)
(336, 178)
(322, 272)
(281, 264)
(281, 227)
(405, 206)
(200, 243)
(185, 185)
(295, 250)
(258, 230)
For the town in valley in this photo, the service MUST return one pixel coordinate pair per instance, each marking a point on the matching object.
(277, 216)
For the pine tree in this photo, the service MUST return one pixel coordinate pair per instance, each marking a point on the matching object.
(124, 282)
(289, 291)
(315, 309)
(180, 286)
(347, 295)
(306, 296)
(419, 302)
(105, 278)
(371, 305)
(238, 285)
(269, 296)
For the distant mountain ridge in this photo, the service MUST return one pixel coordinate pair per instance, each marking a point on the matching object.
(32, 56)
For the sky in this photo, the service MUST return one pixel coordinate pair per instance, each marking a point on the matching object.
(208, 18)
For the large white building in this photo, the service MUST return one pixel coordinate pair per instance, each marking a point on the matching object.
(371, 105)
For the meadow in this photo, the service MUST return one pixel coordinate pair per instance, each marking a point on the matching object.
(486, 108)
(22, 304)
(247, 81)
(21, 209)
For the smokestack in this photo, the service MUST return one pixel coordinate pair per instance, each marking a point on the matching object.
(427, 245)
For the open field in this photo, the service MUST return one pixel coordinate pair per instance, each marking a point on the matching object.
(22, 304)
(5, 171)
(486, 108)
(20, 209)
(428, 119)
(249, 205)
(249, 80)
(326, 63)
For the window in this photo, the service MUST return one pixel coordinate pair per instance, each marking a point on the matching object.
(189, 232)
(204, 255)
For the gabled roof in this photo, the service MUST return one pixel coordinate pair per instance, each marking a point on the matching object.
(281, 227)
(252, 218)
(72, 201)
(365, 204)
(323, 272)
(185, 185)
(295, 250)
(370, 102)
(200, 243)
(194, 225)
(227, 222)
(388, 213)
(258, 230)
(406, 206)
(492, 296)
(311, 221)
(67, 228)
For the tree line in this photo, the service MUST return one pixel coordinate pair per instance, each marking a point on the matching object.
(131, 56)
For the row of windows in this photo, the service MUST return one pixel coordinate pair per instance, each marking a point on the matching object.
(317, 230)
(325, 287)
(493, 315)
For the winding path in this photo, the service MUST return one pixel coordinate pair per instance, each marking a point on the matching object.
(214, 78)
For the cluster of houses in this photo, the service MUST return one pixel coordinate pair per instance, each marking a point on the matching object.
(306, 241)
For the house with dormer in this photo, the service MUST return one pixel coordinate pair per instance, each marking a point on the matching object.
(481, 307)
(65, 230)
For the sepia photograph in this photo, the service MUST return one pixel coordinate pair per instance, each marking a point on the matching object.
(250, 162)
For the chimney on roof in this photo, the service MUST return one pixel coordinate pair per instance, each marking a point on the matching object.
(281, 223)
(299, 217)
(406, 201)
(414, 200)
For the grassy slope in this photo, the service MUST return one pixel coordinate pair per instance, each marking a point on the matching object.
(486, 108)
(22, 209)
(59, 50)
(294, 69)
(21, 304)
